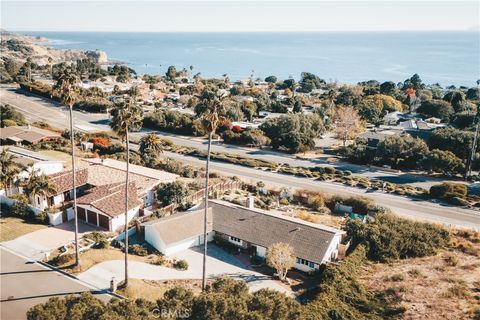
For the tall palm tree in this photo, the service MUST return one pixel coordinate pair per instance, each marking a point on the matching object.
(9, 170)
(39, 184)
(68, 91)
(126, 116)
(210, 107)
(150, 146)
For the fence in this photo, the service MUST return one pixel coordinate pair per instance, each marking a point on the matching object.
(199, 195)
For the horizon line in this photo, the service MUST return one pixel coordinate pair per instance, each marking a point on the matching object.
(256, 31)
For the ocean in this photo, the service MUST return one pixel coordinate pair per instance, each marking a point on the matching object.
(447, 58)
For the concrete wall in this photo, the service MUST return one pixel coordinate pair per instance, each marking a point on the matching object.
(332, 251)
(118, 223)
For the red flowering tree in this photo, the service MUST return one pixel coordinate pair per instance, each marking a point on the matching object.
(100, 141)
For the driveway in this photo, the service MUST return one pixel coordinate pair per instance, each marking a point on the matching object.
(36, 245)
(26, 283)
(219, 263)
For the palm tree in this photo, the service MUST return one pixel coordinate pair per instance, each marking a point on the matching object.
(210, 107)
(68, 92)
(126, 116)
(39, 184)
(150, 146)
(9, 170)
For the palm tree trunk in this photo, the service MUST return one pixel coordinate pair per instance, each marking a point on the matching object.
(204, 278)
(126, 208)
(74, 185)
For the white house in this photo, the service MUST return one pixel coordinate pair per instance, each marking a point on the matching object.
(252, 230)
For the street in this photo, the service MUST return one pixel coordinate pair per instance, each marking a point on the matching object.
(35, 108)
(26, 283)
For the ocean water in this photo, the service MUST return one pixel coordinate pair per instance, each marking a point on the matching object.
(438, 57)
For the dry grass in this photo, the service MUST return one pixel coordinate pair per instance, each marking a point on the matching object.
(444, 286)
(153, 290)
(12, 228)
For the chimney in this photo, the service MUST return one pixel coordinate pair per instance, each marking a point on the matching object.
(250, 201)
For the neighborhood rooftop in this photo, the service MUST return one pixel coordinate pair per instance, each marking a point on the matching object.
(27, 134)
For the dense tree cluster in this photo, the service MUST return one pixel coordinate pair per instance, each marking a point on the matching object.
(173, 121)
(10, 117)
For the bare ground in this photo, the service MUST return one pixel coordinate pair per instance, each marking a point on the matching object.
(445, 286)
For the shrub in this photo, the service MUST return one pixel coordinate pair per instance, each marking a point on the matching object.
(63, 259)
(159, 260)
(329, 170)
(43, 218)
(100, 239)
(181, 264)
(397, 277)
(448, 190)
(451, 260)
(21, 210)
(390, 237)
(316, 201)
(138, 250)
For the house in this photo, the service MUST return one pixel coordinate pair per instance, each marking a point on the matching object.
(392, 118)
(100, 186)
(252, 230)
(104, 206)
(33, 161)
(26, 135)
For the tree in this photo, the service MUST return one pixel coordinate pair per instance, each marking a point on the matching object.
(9, 170)
(402, 147)
(127, 115)
(280, 257)
(69, 92)
(297, 107)
(172, 192)
(309, 82)
(457, 141)
(171, 73)
(39, 184)
(388, 87)
(457, 99)
(211, 101)
(151, 146)
(414, 82)
(443, 161)
(293, 130)
(347, 123)
(271, 79)
(436, 108)
(8, 113)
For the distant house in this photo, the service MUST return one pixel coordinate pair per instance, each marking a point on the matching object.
(375, 137)
(392, 118)
(250, 229)
(26, 135)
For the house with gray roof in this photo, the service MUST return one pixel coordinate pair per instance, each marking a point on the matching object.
(252, 230)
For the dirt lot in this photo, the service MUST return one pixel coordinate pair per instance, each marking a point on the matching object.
(445, 286)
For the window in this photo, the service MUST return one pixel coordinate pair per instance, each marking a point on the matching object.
(303, 261)
(235, 239)
(311, 265)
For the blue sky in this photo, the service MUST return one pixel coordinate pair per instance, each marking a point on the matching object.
(246, 16)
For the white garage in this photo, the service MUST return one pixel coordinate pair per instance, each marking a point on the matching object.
(178, 232)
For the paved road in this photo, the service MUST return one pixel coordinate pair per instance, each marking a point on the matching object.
(25, 283)
(36, 108)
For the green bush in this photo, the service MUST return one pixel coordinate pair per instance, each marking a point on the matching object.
(42, 217)
(330, 170)
(159, 261)
(181, 265)
(62, 259)
(390, 237)
(21, 210)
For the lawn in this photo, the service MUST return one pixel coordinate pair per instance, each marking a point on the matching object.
(92, 257)
(153, 290)
(11, 228)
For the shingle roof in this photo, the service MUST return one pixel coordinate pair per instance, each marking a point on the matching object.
(181, 226)
(29, 134)
(110, 198)
(309, 241)
(63, 180)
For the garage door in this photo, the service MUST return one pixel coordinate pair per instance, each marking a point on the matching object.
(103, 221)
(81, 213)
(92, 217)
